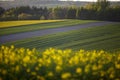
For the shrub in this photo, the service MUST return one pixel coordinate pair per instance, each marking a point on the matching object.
(24, 16)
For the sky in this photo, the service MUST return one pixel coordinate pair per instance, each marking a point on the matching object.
(87, 0)
(71, 0)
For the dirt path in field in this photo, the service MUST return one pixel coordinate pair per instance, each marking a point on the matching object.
(24, 35)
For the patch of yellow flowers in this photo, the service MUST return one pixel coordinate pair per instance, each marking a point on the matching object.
(55, 64)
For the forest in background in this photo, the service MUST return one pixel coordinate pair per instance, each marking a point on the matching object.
(101, 10)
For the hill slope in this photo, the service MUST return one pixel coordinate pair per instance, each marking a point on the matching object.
(38, 3)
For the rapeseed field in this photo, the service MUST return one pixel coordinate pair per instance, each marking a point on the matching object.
(56, 64)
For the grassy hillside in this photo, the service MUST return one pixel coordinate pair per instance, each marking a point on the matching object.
(101, 37)
(54, 64)
(11, 27)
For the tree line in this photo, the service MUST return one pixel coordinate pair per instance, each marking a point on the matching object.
(101, 10)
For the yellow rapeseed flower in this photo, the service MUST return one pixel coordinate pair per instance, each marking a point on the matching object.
(59, 51)
(29, 52)
(58, 68)
(12, 46)
(17, 68)
(70, 62)
(6, 61)
(40, 78)
(39, 65)
(21, 50)
(81, 50)
(100, 66)
(118, 57)
(33, 73)
(110, 70)
(87, 68)
(25, 65)
(102, 73)
(48, 61)
(79, 70)
(117, 65)
(94, 67)
(66, 75)
(94, 73)
(4, 72)
(50, 74)
(3, 47)
(40, 60)
(111, 76)
(26, 59)
(36, 68)
(28, 70)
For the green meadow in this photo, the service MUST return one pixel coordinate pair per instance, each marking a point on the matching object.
(10, 27)
(105, 37)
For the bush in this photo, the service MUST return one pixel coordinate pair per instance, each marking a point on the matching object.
(8, 17)
(24, 16)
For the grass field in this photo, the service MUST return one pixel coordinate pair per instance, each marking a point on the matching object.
(24, 26)
(101, 37)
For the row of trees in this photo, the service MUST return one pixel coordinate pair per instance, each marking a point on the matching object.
(23, 12)
(101, 10)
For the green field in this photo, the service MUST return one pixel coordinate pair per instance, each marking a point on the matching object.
(100, 37)
(11, 27)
